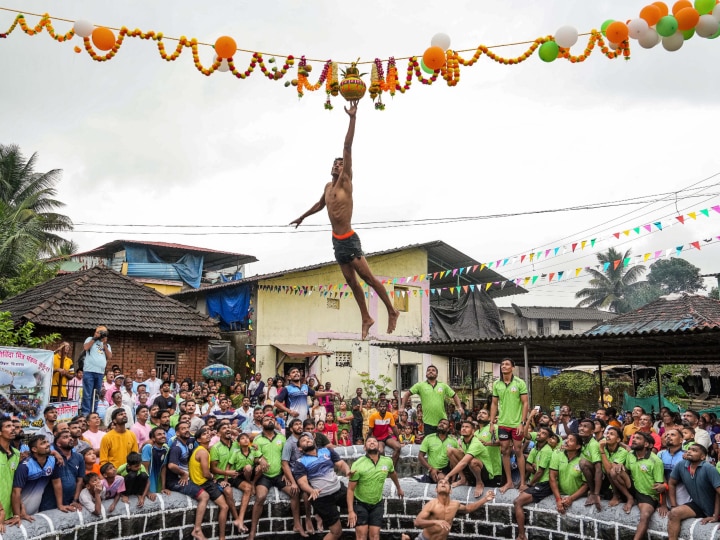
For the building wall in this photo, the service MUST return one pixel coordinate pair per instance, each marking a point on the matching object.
(521, 326)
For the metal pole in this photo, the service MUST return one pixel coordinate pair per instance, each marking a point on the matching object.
(659, 388)
(527, 375)
(602, 388)
(399, 380)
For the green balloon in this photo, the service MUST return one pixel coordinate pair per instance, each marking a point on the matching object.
(425, 68)
(667, 26)
(715, 35)
(549, 51)
(704, 6)
(687, 34)
(605, 25)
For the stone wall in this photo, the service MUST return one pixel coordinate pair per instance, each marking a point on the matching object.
(171, 517)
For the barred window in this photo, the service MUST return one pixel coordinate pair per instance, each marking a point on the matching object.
(343, 359)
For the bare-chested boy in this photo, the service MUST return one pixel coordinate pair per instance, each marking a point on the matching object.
(337, 196)
(436, 517)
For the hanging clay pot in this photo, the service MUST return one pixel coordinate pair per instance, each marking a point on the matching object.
(352, 87)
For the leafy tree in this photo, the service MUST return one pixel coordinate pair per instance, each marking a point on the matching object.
(29, 223)
(641, 295)
(22, 335)
(675, 276)
(581, 390)
(670, 377)
(610, 286)
(714, 293)
(30, 273)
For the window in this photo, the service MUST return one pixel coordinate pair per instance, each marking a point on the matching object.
(343, 359)
(565, 325)
(462, 372)
(333, 303)
(166, 361)
(408, 375)
(401, 297)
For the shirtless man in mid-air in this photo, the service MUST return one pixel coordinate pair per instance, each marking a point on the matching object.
(436, 517)
(346, 243)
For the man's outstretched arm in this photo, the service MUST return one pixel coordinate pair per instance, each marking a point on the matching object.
(347, 148)
(313, 210)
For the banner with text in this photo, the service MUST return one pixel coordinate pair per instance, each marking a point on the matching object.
(25, 378)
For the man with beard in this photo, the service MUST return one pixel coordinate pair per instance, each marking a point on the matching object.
(487, 434)
(700, 479)
(613, 462)
(472, 455)
(590, 462)
(436, 517)
(672, 455)
(141, 428)
(117, 403)
(50, 415)
(315, 474)
(18, 442)
(691, 419)
(153, 459)
(646, 426)
(119, 442)
(538, 486)
(365, 490)
(9, 461)
(432, 397)
(220, 455)
(433, 454)
(647, 474)
(293, 398)
(290, 454)
(509, 408)
(270, 445)
(163, 421)
(253, 427)
(76, 431)
(382, 427)
(71, 474)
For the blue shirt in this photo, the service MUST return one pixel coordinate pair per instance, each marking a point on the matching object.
(32, 479)
(320, 471)
(295, 399)
(95, 360)
(156, 457)
(179, 454)
(69, 473)
(701, 486)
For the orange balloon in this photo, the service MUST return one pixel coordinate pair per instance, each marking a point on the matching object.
(103, 38)
(434, 58)
(225, 47)
(617, 32)
(681, 4)
(651, 14)
(662, 6)
(687, 18)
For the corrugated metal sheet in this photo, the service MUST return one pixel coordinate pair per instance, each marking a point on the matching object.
(153, 270)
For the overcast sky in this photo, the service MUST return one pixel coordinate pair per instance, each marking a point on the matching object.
(144, 141)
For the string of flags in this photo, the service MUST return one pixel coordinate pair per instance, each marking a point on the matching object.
(418, 285)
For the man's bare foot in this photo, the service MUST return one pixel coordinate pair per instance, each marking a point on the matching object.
(366, 327)
(507, 486)
(301, 532)
(309, 527)
(593, 499)
(522, 488)
(628, 505)
(458, 483)
(479, 490)
(613, 502)
(521, 537)
(319, 522)
(392, 320)
(197, 534)
(239, 525)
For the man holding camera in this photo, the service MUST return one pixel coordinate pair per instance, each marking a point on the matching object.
(97, 354)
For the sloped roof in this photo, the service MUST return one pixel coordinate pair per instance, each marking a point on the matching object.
(441, 256)
(213, 259)
(562, 313)
(675, 312)
(102, 296)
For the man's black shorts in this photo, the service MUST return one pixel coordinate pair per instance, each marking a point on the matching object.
(212, 489)
(539, 491)
(695, 508)
(327, 507)
(646, 499)
(276, 481)
(347, 249)
(368, 514)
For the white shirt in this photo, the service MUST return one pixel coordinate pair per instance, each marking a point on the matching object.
(153, 388)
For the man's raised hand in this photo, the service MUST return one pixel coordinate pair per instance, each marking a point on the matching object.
(353, 108)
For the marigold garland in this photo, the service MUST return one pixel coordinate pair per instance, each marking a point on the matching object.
(381, 79)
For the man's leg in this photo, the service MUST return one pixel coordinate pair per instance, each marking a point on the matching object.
(520, 502)
(396, 446)
(363, 269)
(588, 470)
(260, 496)
(202, 500)
(247, 489)
(506, 446)
(520, 460)
(88, 385)
(374, 532)
(646, 511)
(675, 518)
(295, 508)
(222, 516)
(351, 279)
(476, 468)
(230, 500)
(621, 483)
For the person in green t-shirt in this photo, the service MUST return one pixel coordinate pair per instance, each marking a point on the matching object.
(220, 455)
(432, 396)
(365, 489)
(566, 478)
(433, 454)
(613, 462)
(471, 455)
(538, 487)
(9, 461)
(591, 462)
(509, 409)
(488, 435)
(243, 462)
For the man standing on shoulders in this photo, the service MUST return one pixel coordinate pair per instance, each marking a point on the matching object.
(365, 491)
(97, 354)
(434, 450)
(432, 396)
(510, 410)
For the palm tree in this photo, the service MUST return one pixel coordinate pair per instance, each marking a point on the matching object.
(29, 222)
(609, 288)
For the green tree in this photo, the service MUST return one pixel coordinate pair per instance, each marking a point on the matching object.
(610, 286)
(30, 273)
(641, 295)
(675, 276)
(29, 222)
(671, 376)
(22, 336)
(714, 293)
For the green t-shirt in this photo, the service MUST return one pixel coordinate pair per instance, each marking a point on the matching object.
(591, 451)
(238, 461)
(479, 451)
(509, 401)
(8, 466)
(271, 450)
(433, 400)
(436, 450)
(370, 478)
(542, 458)
(222, 453)
(619, 456)
(645, 473)
(570, 476)
(485, 436)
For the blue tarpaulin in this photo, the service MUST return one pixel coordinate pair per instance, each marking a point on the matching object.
(188, 267)
(545, 371)
(231, 306)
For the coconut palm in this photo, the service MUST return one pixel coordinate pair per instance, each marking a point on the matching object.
(29, 222)
(609, 288)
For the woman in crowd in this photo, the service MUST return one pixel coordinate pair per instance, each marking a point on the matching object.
(344, 418)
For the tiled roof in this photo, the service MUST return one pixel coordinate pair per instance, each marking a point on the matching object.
(561, 313)
(102, 296)
(675, 312)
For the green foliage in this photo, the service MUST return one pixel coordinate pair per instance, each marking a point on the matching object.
(372, 388)
(578, 389)
(670, 378)
(609, 288)
(641, 295)
(22, 335)
(482, 387)
(714, 293)
(675, 276)
(30, 273)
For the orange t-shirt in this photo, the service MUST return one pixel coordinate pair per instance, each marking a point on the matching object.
(381, 427)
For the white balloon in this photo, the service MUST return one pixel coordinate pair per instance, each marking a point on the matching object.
(613, 46)
(716, 12)
(566, 36)
(649, 39)
(637, 27)
(707, 26)
(223, 65)
(83, 28)
(674, 42)
(440, 40)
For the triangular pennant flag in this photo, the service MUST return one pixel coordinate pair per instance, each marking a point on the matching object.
(461, 271)
(522, 258)
(658, 254)
(681, 219)
(583, 244)
(658, 224)
(442, 274)
(502, 285)
(482, 267)
(435, 275)
(692, 215)
(455, 271)
(705, 212)
(551, 276)
(475, 267)
(490, 264)
(452, 290)
(679, 249)
(487, 286)
(534, 279)
(627, 233)
(526, 280)
(716, 208)
(465, 289)
(505, 261)
(646, 257)
(574, 246)
(668, 251)
(616, 264)
(616, 235)
(556, 250)
(531, 256)
(578, 270)
(517, 281)
(472, 287)
(626, 262)
(637, 230)
(497, 263)
(432, 291)
(547, 252)
(606, 266)
(560, 274)
(695, 244)
(647, 227)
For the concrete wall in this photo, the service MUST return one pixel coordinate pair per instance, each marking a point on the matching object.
(171, 517)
